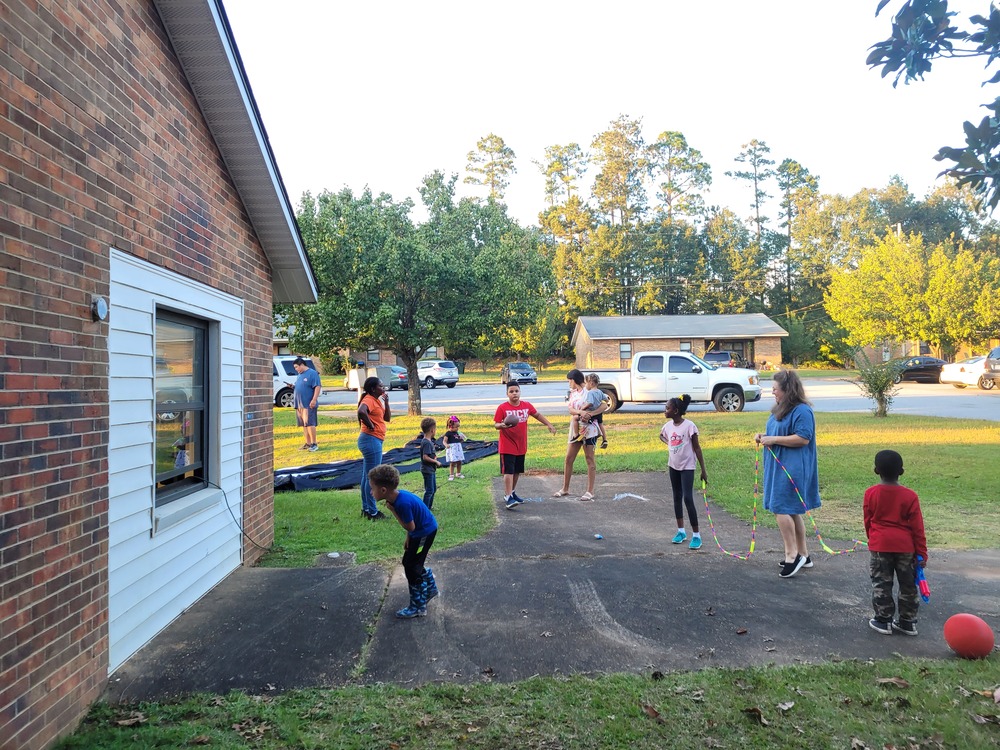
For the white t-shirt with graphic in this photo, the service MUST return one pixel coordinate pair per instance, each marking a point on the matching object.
(678, 437)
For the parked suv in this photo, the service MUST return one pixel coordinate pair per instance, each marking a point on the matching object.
(434, 372)
(518, 372)
(724, 359)
(284, 379)
(993, 365)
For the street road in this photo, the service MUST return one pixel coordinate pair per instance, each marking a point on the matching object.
(827, 394)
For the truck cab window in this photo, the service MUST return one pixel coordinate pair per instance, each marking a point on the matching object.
(650, 364)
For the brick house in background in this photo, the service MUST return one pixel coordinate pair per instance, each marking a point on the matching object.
(145, 235)
(611, 341)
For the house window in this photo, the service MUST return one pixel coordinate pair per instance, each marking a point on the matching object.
(182, 405)
(624, 353)
(431, 353)
(685, 346)
(374, 355)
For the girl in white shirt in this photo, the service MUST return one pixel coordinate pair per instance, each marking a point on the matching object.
(681, 437)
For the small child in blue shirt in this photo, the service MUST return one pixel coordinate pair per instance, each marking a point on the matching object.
(421, 528)
(429, 463)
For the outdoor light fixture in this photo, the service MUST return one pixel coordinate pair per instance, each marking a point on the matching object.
(99, 308)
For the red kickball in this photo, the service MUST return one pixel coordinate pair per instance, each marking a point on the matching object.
(969, 636)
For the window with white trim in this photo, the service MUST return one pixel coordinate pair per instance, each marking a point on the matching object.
(183, 399)
(374, 355)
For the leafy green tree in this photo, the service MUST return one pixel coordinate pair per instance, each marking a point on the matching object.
(799, 190)
(681, 173)
(757, 172)
(673, 271)
(564, 167)
(924, 31)
(620, 155)
(734, 276)
(800, 344)
(490, 165)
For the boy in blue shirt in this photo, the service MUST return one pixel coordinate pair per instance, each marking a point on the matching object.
(421, 527)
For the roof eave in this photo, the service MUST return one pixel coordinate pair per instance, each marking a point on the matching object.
(203, 42)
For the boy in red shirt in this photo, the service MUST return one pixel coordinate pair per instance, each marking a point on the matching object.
(514, 440)
(895, 528)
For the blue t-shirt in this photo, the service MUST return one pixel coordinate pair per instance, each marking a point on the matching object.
(409, 507)
(779, 493)
(305, 383)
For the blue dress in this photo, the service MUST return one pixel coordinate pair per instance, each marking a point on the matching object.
(779, 494)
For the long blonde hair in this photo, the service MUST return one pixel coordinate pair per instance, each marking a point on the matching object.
(793, 393)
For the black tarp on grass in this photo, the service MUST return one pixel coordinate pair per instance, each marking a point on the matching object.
(342, 475)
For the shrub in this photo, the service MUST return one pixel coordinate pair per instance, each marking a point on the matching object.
(877, 381)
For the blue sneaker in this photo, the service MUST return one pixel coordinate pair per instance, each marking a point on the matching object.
(679, 537)
(517, 498)
(695, 543)
(509, 501)
(408, 613)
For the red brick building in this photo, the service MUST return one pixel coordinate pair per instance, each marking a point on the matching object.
(144, 235)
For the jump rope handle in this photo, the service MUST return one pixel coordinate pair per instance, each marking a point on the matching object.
(921, 579)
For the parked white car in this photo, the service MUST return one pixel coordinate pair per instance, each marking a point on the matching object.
(971, 371)
(284, 379)
(434, 372)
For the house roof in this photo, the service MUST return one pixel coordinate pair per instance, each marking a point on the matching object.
(203, 42)
(751, 325)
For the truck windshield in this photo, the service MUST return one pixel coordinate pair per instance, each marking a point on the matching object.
(705, 365)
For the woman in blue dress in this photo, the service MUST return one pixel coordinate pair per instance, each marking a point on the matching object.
(791, 435)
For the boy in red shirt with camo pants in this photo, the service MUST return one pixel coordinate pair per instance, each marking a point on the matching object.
(895, 528)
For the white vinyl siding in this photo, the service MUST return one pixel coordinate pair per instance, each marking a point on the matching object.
(160, 561)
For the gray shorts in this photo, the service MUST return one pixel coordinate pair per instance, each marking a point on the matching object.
(311, 417)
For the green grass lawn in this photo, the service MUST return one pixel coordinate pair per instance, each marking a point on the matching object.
(948, 463)
(834, 706)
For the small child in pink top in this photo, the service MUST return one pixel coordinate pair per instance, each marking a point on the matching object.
(681, 437)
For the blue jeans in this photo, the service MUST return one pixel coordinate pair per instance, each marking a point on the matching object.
(430, 487)
(371, 454)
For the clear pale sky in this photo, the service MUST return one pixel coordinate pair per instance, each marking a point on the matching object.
(381, 94)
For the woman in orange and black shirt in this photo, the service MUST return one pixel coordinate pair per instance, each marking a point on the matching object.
(373, 413)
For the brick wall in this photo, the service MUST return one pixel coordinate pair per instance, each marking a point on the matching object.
(767, 349)
(101, 145)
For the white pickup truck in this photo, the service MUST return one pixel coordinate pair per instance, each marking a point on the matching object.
(656, 377)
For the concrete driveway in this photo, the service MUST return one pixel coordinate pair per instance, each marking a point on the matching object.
(541, 595)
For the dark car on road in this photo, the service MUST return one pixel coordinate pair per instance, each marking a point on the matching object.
(921, 369)
(992, 366)
(518, 372)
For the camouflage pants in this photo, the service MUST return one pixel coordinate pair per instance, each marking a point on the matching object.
(885, 565)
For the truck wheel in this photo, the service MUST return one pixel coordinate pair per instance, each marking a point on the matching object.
(615, 401)
(451, 385)
(169, 398)
(985, 383)
(729, 399)
(429, 382)
(285, 398)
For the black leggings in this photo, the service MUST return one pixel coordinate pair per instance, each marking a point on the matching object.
(414, 556)
(682, 482)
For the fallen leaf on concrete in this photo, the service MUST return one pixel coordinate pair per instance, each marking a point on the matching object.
(757, 715)
(134, 719)
(546, 634)
(652, 713)
(710, 611)
(785, 706)
(741, 631)
(770, 648)
(488, 671)
(897, 681)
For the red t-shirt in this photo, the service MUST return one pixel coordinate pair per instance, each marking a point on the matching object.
(893, 520)
(514, 440)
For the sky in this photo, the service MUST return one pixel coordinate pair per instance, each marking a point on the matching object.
(381, 94)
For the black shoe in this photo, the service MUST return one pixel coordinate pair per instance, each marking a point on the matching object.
(789, 569)
(377, 516)
(880, 626)
(808, 563)
(904, 627)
